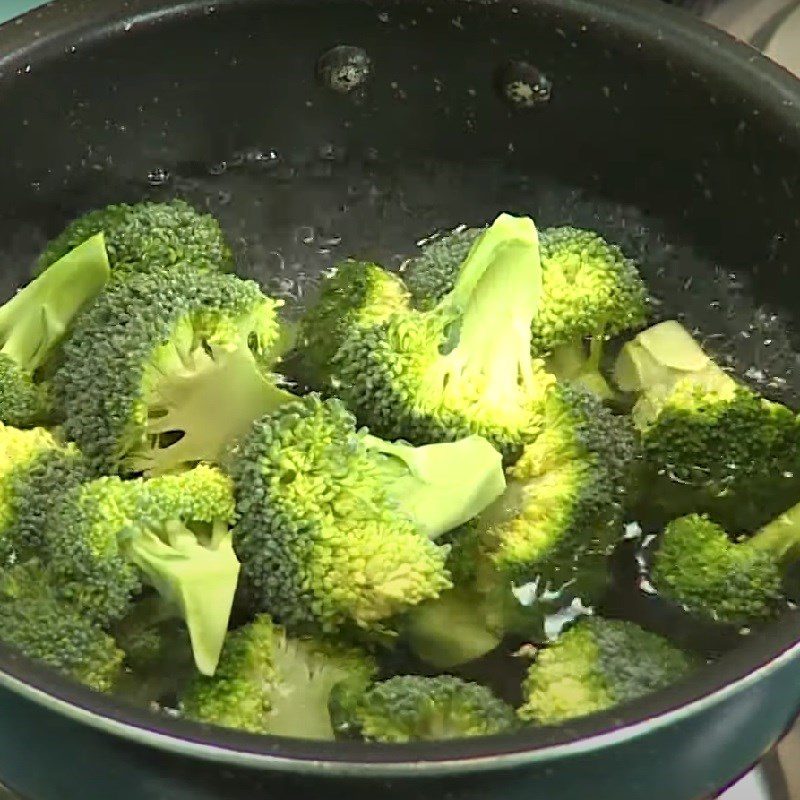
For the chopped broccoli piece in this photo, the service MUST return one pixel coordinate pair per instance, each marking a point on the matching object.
(463, 367)
(698, 566)
(147, 235)
(35, 622)
(358, 294)
(108, 536)
(412, 708)
(167, 369)
(589, 288)
(32, 463)
(34, 322)
(716, 445)
(562, 509)
(596, 665)
(332, 521)
(453, 629)
(271, 684)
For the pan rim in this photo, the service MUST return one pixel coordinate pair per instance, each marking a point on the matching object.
(41, 34)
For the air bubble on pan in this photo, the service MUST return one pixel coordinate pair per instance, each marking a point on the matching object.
(344, 68)
(523, 85)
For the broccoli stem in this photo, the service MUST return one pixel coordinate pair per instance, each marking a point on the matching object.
(442, 486)
(571, 364)
(494, 302)
(780, 537)
(36, 318)
(199, 581)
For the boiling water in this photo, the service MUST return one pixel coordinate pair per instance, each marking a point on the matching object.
(290, 219)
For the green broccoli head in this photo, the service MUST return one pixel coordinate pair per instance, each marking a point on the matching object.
(700, 567)
(167, 369)
(717, 444)
(589, 288)
(107, 537)
(146, 235)
(35, 622)
(34, 322)
(596, 665)
(324, 535)
(562, 510)
(358, 294)
(271, 684)
(412, 708)
(34, 468)
(181, 542)
(464, 367)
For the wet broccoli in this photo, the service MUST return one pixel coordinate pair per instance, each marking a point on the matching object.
(596, 665)
(590, 289)
(35, 622)
(148, 235)
(710, 443)
(412, 708)
(167, 368)
(106, 538)
(335, 525)
(740, 582)
(272, 684)
(463, 367)
(358, 294)
(34, 322)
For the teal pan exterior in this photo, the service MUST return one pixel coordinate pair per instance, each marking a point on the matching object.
(103, 100)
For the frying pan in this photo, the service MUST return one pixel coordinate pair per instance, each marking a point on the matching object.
(671, 138)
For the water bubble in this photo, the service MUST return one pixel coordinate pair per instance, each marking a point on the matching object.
(344, 68)
(305, 234)
(158, 176)
(522, 85)
(219, 168)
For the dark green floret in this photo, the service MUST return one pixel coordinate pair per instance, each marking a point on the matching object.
(148, 235)
(35, 622)
(106, 538)
(590, 289)
(34, 322)
(358, 294)
(462, 367)
(167, 369)
(596, 665)
(272, 684)
(740, 582)
(412, 708)
(335, 526)
(715, 445)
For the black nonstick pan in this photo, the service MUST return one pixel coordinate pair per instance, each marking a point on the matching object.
(320, 129)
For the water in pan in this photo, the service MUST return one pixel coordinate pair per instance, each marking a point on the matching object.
(291, 219)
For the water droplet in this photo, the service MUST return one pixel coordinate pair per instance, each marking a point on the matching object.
(522, 85)
(158, 177)
(219, 168)
(344, 68)
(383, 16)
(304, 234)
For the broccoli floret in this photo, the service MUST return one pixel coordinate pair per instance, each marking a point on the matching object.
(358, 294)
(589, 288)
(146, 235)
(737, 582)
(34, 322)
(332, 521)
(167, 368)
(38, 624)
(32, 463)
(463, 367)
(562, 509)
(596, 665)
(271, 684)
(711, 444)
(107, 536)
(412, 708)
